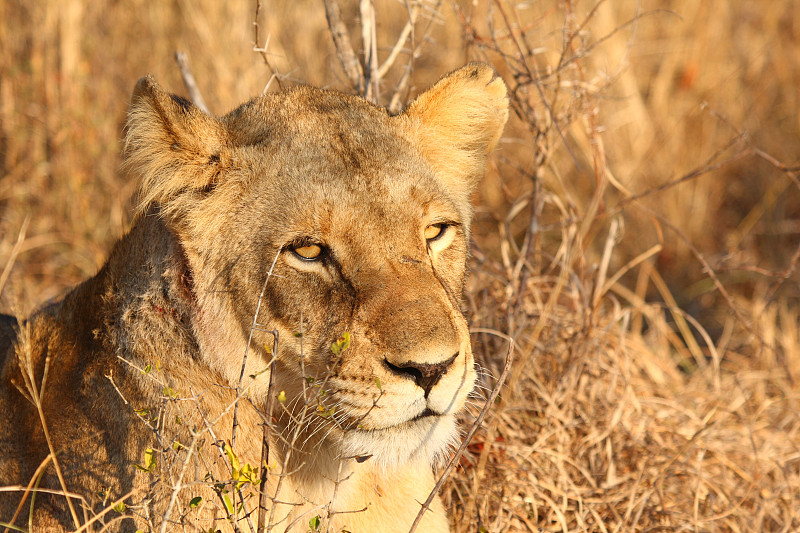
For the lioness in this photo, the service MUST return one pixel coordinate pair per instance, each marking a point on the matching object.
(308, 239)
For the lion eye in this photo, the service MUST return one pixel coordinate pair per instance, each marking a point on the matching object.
(434, 231)
(309, 252)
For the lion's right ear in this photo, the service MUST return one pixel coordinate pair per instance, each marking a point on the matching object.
(458, 121)
(173, 146)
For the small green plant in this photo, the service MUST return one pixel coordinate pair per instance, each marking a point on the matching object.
(241, 473)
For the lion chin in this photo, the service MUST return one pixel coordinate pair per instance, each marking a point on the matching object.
(426, 439)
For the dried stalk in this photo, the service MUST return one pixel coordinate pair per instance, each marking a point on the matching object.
(14, 252)
(253, 327)
(344, 50)
(262, 50)
(189, 82)
(369, 39)
(262, 487)
(470, 434)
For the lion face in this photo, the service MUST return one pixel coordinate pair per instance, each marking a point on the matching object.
(317, 218)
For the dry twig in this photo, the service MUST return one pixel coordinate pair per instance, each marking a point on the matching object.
(344, 50)
(190, 83)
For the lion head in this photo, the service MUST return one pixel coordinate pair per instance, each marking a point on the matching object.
(321, 219)
(308, 250)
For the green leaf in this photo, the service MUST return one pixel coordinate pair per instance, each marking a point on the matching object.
(235, 465)
(149, 458)
(282, 396)
(325, 412)
(194, 502)
(170, 392)
(149, 461)
(314, 523)
(247, 474)
(148, 368)
(341, 344)
(228, 504)
(378, 384)
(120, 507)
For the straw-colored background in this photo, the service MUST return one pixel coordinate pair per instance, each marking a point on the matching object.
(654, 307)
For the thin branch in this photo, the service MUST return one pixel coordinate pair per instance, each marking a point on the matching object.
(189, 82)
(14, 252)
(178, 485)
(27, 369)
(470, 434)
(262, 50)
(344, 50)
(262, 497)
(711, 164)
(369, 39)
(221, 451)
(34, 479)
(784, 275)
(401, 41)
(246, 349)
(534, 77)
(395, 104)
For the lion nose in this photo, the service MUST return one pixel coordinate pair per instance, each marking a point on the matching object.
(425, 375)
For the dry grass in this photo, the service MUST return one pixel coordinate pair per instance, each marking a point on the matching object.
(638, 237)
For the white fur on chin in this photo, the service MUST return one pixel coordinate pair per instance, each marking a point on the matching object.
(422, 440)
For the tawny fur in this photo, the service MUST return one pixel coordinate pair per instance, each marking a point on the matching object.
(149, 352)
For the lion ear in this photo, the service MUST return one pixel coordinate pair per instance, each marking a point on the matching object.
(458, 122)
(172, 145)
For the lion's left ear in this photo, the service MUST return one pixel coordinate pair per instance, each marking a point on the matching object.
(458, 122)
(173, 145)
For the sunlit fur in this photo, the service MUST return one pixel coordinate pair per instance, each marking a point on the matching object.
(151, 351)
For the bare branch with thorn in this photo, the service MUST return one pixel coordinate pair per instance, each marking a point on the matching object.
(189, 82)
(344, 49)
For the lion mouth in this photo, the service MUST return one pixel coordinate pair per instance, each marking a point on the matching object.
(426, 413)
(426, 436)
